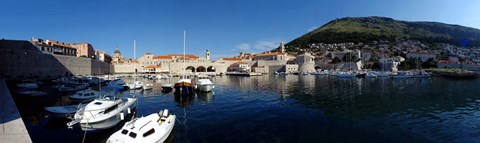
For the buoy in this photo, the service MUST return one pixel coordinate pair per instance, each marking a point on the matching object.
(128, 110)
(121, 116)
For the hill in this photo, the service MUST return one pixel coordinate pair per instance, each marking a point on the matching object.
(367, 29)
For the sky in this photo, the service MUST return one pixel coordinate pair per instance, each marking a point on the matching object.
(225, 27)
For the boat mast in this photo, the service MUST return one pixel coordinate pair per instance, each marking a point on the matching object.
(134, 59)
(184, 68)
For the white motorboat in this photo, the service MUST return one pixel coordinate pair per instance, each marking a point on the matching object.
(136, 85)
(204, 83)
(73, 87)
(154, 128)
(106, 111)
(83, 96)
(147, 86)
(33, 93)
(28, 85)
(63, 111)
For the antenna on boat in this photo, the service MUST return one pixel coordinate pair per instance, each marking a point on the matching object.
(184, 68)
(134, 58)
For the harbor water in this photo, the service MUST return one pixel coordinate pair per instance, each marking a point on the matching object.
(292, 108)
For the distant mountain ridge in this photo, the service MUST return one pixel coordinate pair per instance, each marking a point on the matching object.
(367, 29)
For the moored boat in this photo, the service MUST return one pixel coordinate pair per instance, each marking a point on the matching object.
(204, 83)
(63, 111)
(106, 111)
(73, 87)
(83, 96)
(184, 85)
(153, 128)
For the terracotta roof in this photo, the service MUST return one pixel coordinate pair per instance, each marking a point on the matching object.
(152, 67)
(231, 59)
(163, 57)
(268, 54)
(186, 55)
(148, 53)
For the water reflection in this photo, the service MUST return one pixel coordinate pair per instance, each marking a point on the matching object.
(303, 108)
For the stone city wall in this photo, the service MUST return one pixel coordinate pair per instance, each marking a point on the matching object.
(20, 59)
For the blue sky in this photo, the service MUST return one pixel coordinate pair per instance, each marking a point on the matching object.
(226, 27)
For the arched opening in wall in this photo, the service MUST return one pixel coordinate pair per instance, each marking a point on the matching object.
(201, 69)
(190, 69)
(211, 69)
(317, 68)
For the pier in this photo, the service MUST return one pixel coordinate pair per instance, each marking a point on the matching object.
(12, 128)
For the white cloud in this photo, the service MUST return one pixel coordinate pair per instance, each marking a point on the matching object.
(259, 46)
(244, 47)
(312, 28)
(266, 45)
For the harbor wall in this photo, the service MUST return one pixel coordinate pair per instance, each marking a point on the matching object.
(20, 59)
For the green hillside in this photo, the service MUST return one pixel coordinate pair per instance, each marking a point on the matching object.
(367, 29)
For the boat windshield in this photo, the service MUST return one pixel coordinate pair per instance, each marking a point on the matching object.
(107, 95)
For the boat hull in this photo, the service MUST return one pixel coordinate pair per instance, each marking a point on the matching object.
(111, 121)
(104, 124)
(205, 88)
(184, 88)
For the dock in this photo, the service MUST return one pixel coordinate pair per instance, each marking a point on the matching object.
(12, 128)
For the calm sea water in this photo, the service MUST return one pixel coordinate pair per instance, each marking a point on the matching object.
(295, 108)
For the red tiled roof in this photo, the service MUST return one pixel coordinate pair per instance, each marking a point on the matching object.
(152, 67)
(163, 57)
(268, 54)
(231, 59)
(148, 53)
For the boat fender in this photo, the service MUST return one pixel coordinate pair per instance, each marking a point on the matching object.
(213, 86)
(195, 86)
(128, 110)
(121, 116)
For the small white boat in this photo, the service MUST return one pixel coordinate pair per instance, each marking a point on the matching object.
(33, 93)
(147, 86)
(28, 85)
(163, 76)
(154, 128)
(63, 111)
(136, 85)
(204, 83)
(106, 111)
(83, 96)
(73, 87)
